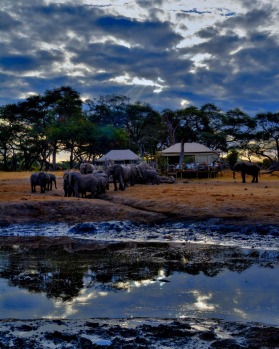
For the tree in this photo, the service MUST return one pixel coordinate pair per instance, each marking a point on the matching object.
(232, 157)
(239, 128)
(62, 104)
(71, 134)
(10, 130)
(144, 127)
(108, 110)
(210, 127)
(267, 136)
(171, 120)
(187, 132)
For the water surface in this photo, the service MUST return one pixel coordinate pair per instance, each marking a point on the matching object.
(80, 279)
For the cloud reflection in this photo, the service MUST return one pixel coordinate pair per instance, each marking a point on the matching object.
(201, 301)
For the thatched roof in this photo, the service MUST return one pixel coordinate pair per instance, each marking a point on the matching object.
(119, 155)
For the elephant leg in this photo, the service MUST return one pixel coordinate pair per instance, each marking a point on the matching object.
(122, 184)
(75, 191)
(243, 177)
(255, 179)
(115, 184)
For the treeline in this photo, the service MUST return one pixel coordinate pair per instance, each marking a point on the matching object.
(34, 131)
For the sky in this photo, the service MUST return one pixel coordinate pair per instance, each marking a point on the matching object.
(168, 53)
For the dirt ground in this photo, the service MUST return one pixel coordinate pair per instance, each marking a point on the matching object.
(224, 198)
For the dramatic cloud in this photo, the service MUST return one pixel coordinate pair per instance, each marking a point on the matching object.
(164, 52)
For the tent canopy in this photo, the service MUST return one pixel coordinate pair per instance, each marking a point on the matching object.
(193, 152)
(189, 148)
(119, 155)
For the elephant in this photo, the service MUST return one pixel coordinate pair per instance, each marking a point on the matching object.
(144, 166)
(51, 178)
(117, 173)
(41, 179)
(68, 190)
(103, 181)
(247, 168)
(85, 168)
(150, 176)
(80, 184)
(133, 174)
(66, 183)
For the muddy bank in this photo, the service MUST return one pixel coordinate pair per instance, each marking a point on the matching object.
(73, 210)
(136, 333)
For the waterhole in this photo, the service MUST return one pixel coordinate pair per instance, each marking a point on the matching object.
(76, 279)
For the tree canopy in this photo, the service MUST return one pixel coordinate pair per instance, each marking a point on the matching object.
(34, 131)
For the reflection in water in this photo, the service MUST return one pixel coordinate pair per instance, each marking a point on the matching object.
(202, 301)
(83, 280)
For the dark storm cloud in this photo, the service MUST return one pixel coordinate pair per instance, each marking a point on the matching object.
(72, 28)
(241, 64)
(7, 22)
(89, 46)
(157, 34)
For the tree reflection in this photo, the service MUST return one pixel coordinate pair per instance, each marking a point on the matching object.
(62, 271)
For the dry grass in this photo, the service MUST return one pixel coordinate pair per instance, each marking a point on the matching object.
(218, 197)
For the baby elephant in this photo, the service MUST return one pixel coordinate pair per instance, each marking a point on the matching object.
(51, 178)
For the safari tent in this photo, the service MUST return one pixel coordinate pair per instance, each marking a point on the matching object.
(193, 153)
(123, 156)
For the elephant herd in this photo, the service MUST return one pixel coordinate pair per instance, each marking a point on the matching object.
(96, 182)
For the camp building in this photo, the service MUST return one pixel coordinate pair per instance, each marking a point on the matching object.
(193, 153)
(121, 156)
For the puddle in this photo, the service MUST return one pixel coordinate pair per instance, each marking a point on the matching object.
(81, 279)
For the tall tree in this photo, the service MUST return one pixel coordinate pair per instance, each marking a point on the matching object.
(187, 131)
(266, 142)
(108, 110)
(171, 120)
(10, 130)
(210, 127)
(62, 104)
(143, 127)
(238, 127)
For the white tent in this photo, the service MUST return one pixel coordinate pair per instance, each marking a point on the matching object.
(118, 156)
(196, 151)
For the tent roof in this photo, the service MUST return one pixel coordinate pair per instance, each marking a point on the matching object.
(188, 148)
(119, 155)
